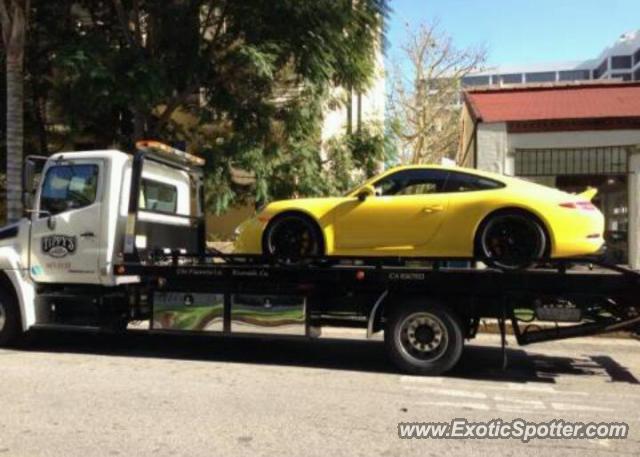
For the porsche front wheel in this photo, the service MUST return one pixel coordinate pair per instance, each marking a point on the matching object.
(511, 240)
(292, 237)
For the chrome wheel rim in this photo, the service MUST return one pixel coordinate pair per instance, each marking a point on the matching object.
(3, 316)
(423, 336)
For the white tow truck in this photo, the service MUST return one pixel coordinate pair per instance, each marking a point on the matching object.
(110, 237)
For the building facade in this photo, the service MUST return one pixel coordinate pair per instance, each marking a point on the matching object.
(569, 136)
(620, 61)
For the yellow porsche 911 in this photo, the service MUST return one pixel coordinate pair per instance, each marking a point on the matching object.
(432, 211)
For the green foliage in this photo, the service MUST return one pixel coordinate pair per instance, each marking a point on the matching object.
(356, 157)
(241, 82)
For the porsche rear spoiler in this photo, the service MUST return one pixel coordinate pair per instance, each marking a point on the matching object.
(589, 193)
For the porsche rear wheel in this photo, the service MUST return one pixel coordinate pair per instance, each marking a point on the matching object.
(512, 240)
(293, 236)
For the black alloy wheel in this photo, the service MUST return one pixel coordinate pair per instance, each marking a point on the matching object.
(293, 237)
(512, 241)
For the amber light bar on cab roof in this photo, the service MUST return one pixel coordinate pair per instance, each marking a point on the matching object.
(157, 146)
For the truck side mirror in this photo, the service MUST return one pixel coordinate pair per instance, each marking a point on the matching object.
(28, 175)
(30, 168)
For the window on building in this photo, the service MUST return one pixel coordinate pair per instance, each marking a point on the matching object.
(583, 161)
(157, 196)
(621, 76)
(621, 62)
(69, 187)
(574, 75)
(636, 58)
(476, 81)
(514, 78)
(464, 182)
(541, 77)
(636, 75)
(601, 70)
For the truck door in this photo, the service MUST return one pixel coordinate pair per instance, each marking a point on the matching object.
(66, 224)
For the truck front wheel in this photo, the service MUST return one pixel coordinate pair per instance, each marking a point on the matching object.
(424, 338)
(10, 328)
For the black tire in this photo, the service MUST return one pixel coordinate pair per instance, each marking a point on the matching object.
(10, 327)
(437, 341)
(292, 236)
(511, 240)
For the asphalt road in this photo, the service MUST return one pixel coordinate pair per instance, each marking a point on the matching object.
(82, 395)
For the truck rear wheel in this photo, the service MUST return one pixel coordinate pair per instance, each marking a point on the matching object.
(424, 338)
(10, 328)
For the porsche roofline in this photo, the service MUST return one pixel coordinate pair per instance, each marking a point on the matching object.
(472, 171)
(504, 179)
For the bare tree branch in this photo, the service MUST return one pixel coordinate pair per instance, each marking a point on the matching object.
(425, 104)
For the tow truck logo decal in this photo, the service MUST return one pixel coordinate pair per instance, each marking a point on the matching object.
(59, 246)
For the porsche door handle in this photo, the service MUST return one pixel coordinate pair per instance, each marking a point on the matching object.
(88, 235)
(432, 209)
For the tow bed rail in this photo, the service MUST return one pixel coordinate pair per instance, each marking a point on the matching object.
(594, 296)
(563, 298)
(560, 274)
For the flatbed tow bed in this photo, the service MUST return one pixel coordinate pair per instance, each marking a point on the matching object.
(377, 294)
(128, 244)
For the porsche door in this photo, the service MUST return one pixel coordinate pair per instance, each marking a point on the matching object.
(405, 214)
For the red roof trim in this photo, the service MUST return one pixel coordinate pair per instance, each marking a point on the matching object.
(593, 101)
(605, 84)
(568, 125)
(473, 109)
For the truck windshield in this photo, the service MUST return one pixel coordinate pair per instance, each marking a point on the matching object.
(69, 187)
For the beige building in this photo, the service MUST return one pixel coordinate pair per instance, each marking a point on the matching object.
(569, 136)
(357, 109)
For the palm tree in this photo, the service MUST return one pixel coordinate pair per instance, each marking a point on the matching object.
(13, 19)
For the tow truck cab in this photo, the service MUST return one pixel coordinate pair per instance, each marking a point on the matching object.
(79, 223)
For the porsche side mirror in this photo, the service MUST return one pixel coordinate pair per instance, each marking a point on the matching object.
(366, 192)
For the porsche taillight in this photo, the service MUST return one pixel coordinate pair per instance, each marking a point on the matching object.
(579, 205)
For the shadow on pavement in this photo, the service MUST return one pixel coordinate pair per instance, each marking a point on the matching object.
(478, 362)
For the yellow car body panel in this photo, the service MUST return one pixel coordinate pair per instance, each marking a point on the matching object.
(435, 225)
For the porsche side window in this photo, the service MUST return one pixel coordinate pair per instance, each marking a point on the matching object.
(412, 182)
(69, 187)
(464, 182)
